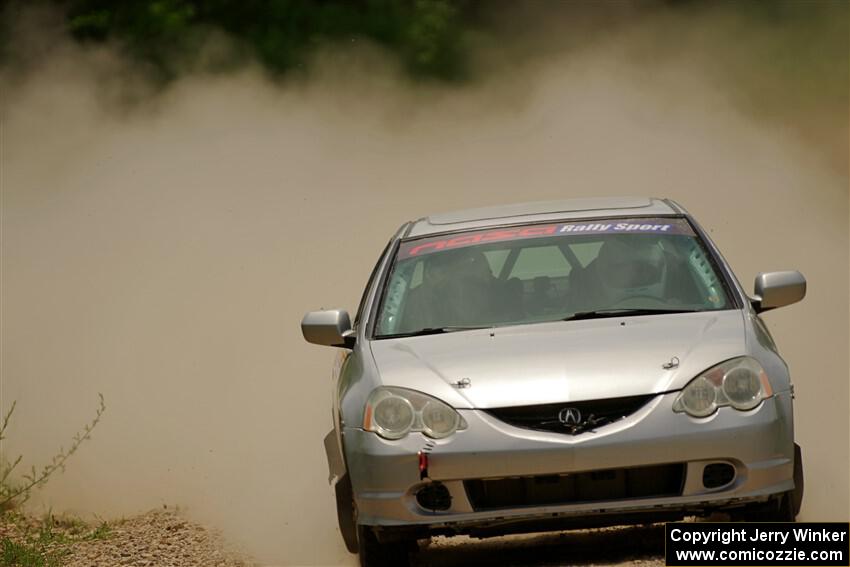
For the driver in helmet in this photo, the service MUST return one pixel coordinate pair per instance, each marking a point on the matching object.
(457, 288)
(628, 266)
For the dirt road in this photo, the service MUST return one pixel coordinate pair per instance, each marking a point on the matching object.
(165, 538)
(614, 546)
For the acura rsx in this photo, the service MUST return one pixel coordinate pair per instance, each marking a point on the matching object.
(556, 365)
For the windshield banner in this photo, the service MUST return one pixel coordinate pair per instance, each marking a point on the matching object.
(422, 246)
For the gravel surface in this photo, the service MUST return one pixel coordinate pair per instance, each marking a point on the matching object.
(160, 538)
(163, 538)
(632, 546)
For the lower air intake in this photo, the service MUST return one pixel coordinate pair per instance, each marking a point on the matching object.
(716, 475)
(575, 488)
(434, 496)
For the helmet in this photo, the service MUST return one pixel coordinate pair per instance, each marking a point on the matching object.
(630, 264)
(452, 266)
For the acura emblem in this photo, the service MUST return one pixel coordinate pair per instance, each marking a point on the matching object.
(569, 416)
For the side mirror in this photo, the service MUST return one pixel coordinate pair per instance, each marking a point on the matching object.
(778, 289)
(328, 328)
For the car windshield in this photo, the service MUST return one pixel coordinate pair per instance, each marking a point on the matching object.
(548, 272)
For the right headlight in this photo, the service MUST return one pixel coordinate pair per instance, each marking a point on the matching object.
(393, 412)
(740, 382)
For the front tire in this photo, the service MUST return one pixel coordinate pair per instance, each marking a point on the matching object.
(374, 553)
(797, 493)
(779, 509)
(345, 513)
(787, 506)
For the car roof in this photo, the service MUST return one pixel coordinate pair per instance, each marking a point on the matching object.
(541, 211)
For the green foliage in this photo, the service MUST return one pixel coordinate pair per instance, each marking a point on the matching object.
(48, 542)
(26, 554)
(102, 531)
(280, 33)
(7, 488)
(430, 37)
(43, 543)
(13, 494)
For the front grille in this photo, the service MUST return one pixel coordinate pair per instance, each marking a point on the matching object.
(575, 488)
(550, 417)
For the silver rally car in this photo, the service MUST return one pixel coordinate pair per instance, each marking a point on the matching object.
(556, 365)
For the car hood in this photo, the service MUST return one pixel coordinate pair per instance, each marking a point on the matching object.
(562, 361)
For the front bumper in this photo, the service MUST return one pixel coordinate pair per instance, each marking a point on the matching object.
(757, 443)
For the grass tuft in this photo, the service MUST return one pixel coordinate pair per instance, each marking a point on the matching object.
(41, 543)
(24, 554)
(14, 494)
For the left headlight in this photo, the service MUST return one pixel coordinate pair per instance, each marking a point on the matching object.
(740, 382)
(393, 412)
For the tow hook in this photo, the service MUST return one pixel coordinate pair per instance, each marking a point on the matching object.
(423, 465)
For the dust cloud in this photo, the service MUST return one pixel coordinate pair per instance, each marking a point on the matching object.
(163, 253)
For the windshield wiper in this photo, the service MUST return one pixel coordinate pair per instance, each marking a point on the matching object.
(620, 312)
(433, 331)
